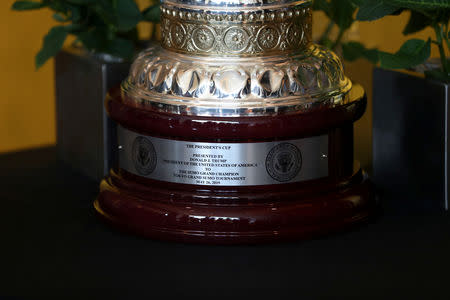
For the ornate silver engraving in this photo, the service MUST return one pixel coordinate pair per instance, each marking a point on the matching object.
(269, 37)
(177, 34)
(259, 32)
(236, 39)
(203, 38)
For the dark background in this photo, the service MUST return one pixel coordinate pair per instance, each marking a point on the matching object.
(53, 246)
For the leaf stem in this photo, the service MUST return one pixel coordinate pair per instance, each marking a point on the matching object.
(446, 35)
(154, 31)
(338, 39)
(439, 35)
(326, 33)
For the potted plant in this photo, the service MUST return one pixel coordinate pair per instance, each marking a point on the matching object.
(411, 106)
(424, 13)
(105, 38)
(410, 100)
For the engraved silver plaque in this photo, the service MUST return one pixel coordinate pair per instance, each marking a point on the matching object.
(223, 164)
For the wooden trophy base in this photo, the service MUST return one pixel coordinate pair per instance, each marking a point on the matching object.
(254, 215)
(156, 201)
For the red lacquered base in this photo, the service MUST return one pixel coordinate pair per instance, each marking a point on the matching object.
(239, 214)
(266, 214)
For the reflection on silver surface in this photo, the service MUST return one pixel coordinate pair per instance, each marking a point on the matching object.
(236, 58)
(224, 86)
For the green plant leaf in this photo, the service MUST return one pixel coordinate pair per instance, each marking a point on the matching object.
(375, 9)
(59, 6)
(417, 22)
(75, 13)
(59, 17)
(74, 28)
(322, 5)
(120, 47)
(27, 5)
(81, 2)
(152, 14)
(93, 39)
(53, 42)
(422, 4)
(327, 43)
(342, 13)
(128, 15)
(358, 3)
(441, 15)
(104, 12)
(355, 50)
(107, 26)
(438, 75)
(412, 53)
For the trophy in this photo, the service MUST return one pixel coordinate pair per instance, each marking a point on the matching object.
(236, 129)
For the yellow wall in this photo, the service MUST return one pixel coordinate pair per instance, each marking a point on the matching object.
(27, 104)
(27, 117)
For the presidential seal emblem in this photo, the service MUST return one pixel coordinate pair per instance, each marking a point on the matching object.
(283, 162)
(143, 155)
